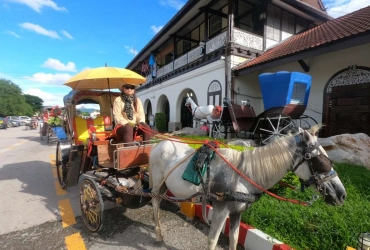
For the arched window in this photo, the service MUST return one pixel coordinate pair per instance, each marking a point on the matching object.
(214, 93)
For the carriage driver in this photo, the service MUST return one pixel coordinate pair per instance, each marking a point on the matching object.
(128, 113)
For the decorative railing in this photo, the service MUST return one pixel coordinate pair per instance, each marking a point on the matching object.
(195, 54)
(247, 39)
(216, 43)
(168, 68)
(241, 37)
(160, 72)
(181, 61)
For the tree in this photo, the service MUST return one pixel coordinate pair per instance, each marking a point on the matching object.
(12, 101)
(35, 102)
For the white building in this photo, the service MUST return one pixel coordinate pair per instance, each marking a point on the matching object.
(217, 49)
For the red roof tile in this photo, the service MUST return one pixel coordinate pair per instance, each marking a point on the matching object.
(332, 31)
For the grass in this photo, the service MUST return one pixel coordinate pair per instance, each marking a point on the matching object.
(319, 226)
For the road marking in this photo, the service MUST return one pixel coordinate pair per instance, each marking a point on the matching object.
(55, 175)
(66, 212)
(75, 242)
(12, 146)
(59, 190)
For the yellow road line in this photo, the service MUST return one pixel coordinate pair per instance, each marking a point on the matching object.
(52, 162)
(52, 157)
(75, 242)
(66, 212)
(59, 190)
(54, 170)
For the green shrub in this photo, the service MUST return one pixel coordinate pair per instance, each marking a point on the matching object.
(160, 122)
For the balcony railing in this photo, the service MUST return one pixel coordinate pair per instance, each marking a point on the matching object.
(243, 38)
(247, 39)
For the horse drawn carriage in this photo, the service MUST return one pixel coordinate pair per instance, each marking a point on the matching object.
(285, 96)
(118, 172)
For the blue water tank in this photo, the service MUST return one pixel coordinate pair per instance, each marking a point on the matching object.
(283, 88)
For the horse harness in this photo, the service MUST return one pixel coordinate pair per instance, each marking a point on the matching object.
(206, 154)
(320, 166)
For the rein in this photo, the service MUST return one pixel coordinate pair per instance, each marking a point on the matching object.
(253, 183)
(315, 178)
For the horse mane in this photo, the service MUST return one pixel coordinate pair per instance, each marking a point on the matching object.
(263, 162)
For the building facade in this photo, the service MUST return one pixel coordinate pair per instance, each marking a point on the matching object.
(207, 49)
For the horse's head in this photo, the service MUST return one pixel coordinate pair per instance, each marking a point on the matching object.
(188, 102)
(314, 167)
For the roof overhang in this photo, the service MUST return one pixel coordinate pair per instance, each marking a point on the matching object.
(324, 49)
(305, 9)
(189, 10)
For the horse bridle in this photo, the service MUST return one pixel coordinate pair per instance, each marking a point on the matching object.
(320, 166)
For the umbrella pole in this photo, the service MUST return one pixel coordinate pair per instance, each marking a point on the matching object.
(111, 106)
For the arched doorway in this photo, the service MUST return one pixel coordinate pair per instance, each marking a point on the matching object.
(167, 112)
(186, 115)
(347, 102)
(148, 112)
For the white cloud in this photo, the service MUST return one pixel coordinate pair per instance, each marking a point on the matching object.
(57, 65)
(49, 79)
(40, 30)
(131, 50)
(337, 8)
(49, 99)
(176, 4)
(156, 29)
(37, 5)
(13, 34)
(66, 34)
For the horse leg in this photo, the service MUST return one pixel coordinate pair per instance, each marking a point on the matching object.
(157, 228)
(234, 230)
(219, 216)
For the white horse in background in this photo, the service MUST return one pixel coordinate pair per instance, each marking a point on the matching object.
(199, 113)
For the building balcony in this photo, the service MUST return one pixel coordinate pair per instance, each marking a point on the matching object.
(203, 54)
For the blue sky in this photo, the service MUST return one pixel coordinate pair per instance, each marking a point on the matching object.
(45, 42)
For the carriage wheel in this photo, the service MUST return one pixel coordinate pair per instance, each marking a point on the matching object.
(219, 130)
(92, 205)
(62, 167)
(305, 122)
(41, 137)
(274, 128)
(49, 133)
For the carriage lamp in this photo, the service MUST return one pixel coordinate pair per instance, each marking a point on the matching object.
(363, 241)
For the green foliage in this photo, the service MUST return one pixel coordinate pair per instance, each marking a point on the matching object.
(12, 101)
(55, 121)
(160, 122)
(319, 226)
(35, 102)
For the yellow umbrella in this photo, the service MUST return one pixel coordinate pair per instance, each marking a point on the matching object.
(104, 78)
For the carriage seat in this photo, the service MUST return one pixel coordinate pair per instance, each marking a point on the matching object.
(242, 117)
(82, 126)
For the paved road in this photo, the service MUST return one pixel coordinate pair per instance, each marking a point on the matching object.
(30, 212)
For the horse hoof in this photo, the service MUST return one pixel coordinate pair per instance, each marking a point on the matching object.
(159, 243)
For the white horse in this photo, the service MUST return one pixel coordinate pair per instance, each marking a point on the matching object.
(199, 113)
(265, 166)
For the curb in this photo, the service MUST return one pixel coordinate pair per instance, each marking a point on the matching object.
(249, 237)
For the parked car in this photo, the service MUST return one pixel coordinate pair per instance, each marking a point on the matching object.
(23, 120)
(3, 123)
(14, 122)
